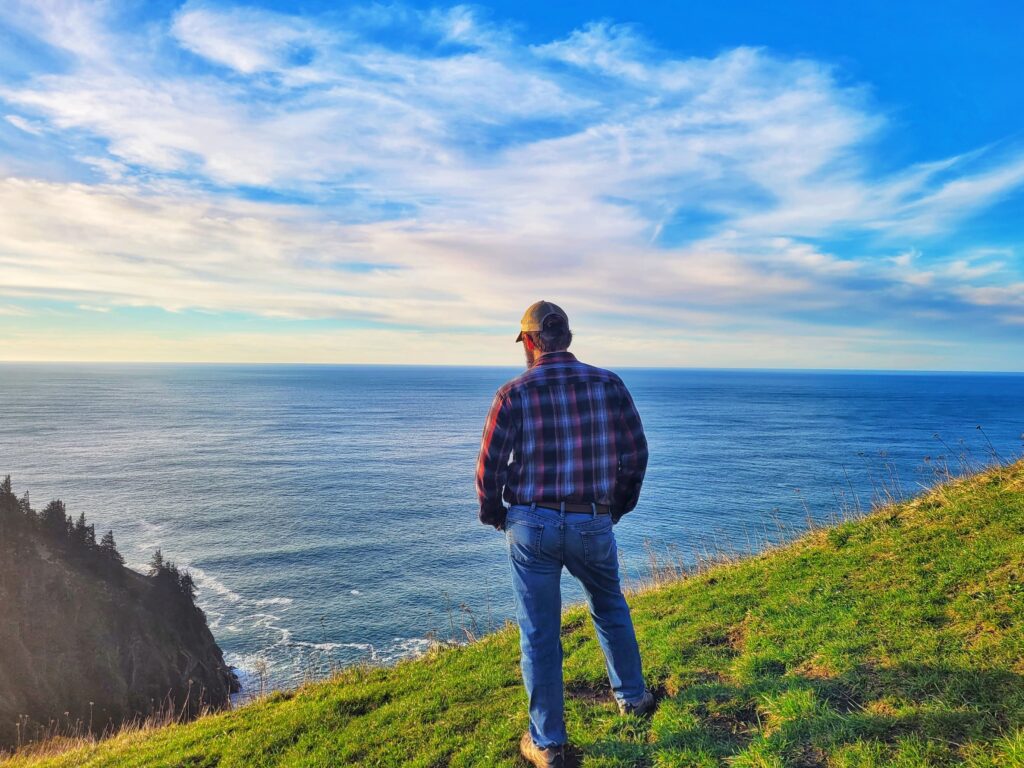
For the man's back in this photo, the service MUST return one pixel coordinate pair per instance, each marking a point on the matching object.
(573, 433)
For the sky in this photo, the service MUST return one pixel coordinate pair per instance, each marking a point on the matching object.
(708, 184)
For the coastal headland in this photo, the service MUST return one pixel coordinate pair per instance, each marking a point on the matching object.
(895, 639)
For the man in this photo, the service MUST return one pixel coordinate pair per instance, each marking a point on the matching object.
(578, 457)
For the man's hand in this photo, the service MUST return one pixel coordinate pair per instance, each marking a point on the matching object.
(623, 501)
(493, 513)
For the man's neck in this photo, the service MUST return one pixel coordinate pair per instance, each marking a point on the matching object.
(550, 357)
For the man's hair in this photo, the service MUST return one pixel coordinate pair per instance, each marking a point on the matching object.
(555, 336)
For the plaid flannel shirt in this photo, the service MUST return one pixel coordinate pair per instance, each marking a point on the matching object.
(573, 434)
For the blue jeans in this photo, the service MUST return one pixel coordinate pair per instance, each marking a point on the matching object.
(540, 542)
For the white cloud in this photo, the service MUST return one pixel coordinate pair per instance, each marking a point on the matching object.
(611, 49)
(447, 179)
(969, 269)
(22, 124)
(1011, 295)
(248, 40)
(87, 243)
(947, 203)
(75, 26)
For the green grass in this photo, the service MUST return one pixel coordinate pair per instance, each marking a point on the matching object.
(895, 640)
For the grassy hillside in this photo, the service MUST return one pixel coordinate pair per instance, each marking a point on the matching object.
(896, 640)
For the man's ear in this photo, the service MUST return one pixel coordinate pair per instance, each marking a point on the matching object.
(528, 342)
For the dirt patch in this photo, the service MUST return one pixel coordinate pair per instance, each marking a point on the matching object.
(807, 756)
(729, 641)
(733, 722)
(675, 685)
(715, 640)
(572, 625)
(737, 637)
(590, 693)
(869, 679)
(842, 698)
(881, 707)
(815, 668)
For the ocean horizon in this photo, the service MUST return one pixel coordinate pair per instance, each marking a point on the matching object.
(328, 515)
(513, 369)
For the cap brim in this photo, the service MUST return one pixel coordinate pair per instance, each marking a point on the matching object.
(519, 337)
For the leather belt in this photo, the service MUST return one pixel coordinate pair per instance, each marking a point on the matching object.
(601, 509)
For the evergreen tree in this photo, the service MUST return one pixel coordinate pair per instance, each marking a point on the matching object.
(9, 509)
(187, 585)
(54, 520)
(16, 518)
(84, 536)
(156, 563)
(109, 549)
(26, 507)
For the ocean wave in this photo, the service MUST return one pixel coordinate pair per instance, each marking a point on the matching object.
(274, 601)
(367, 647)
(205, 581)
(288, 663)
(281, 660)
(409, 647)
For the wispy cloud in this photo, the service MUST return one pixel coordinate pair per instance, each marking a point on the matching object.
(429, 170)
(22, 124)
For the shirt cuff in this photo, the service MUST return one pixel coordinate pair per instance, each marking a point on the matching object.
(493, 513)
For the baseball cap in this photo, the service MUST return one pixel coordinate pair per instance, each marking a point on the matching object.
(536, 314)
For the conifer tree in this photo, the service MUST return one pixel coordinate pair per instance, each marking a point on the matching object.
(156, 563)
(109, 549)
(8, 503)
(84, 535)
(187, 585)
(54, 520)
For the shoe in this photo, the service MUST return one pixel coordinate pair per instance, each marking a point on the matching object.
(642, 708)
(552, 757)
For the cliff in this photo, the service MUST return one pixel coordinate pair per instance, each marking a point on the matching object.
(88, 644)
(892, 640)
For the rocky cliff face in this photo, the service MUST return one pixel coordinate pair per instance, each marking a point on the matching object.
(86, 643)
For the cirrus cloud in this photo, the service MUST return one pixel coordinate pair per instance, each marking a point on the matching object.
(429, 170)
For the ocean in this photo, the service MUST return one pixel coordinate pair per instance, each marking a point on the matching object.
(328, 513)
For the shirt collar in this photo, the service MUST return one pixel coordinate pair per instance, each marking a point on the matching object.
(549, 358)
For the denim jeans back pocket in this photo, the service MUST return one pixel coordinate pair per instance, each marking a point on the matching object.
(524, 539)
(599, 546)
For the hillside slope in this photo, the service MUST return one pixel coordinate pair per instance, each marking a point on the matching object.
(896, 640)
(86, 643)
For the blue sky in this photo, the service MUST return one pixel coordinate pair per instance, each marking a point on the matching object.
(707, 184)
